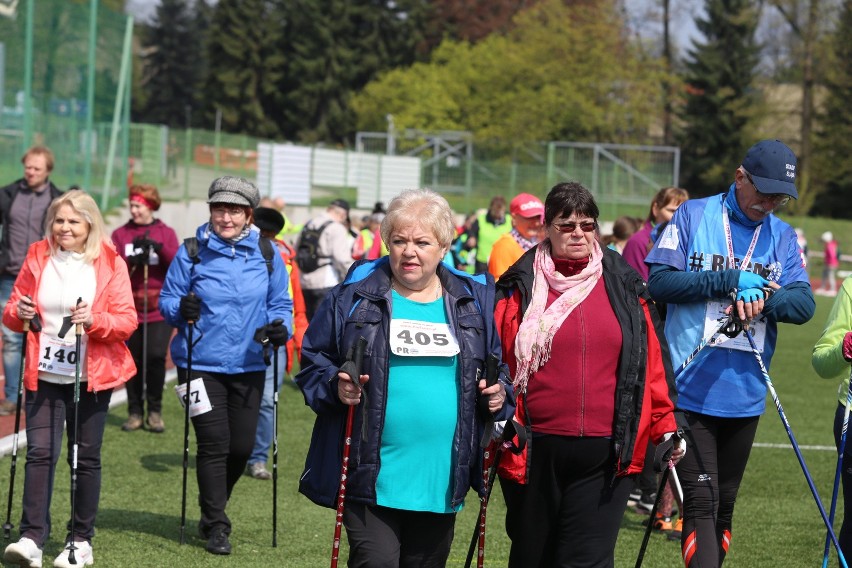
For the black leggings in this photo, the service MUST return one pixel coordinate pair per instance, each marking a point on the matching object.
(225, 438)
(570, 511)
(710, 473)
(159, 334)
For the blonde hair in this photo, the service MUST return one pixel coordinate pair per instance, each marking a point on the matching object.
(666, 195)
(421, 207)
(82, 204)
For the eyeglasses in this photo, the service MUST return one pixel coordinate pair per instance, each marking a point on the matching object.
(585, 226)
(231, 211)
(779, 199)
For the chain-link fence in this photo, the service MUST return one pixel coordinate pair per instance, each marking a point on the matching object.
(622, 177)
(47, 49)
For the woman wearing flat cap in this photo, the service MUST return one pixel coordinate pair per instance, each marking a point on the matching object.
(229, 292)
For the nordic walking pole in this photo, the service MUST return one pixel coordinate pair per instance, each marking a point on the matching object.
(190, 327)
(487, 476)
(664, 462)
(8, 526)
(664, 479)
(275, 448)
(358, 360)
(145, 323)
(836, 489)
(795, 445)
(727, 326)
(78, 333)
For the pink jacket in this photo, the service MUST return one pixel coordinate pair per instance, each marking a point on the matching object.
(109, 363)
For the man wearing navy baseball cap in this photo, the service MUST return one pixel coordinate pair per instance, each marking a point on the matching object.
(717, 259)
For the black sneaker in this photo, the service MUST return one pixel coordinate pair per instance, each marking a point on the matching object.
(218, 542)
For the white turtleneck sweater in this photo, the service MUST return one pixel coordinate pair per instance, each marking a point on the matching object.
(66, 277)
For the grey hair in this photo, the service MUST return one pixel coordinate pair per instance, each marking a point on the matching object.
(422, 207)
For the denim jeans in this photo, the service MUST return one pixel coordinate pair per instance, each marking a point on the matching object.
(48, 409)
(263, 438)
(11, 344)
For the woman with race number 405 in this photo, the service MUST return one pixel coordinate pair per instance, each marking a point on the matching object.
(72, 277)
(416, 430)
(594, 382)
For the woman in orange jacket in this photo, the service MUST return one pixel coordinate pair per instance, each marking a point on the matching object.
(73, 276)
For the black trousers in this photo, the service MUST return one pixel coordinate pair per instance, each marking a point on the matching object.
(710, 474)
(225, 438)
(569, 513)
(380, 537)
(48, 409)
(151, 389)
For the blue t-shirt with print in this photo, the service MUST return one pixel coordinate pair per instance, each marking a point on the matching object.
(722, 381)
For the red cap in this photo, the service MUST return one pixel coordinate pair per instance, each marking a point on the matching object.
(526, 205)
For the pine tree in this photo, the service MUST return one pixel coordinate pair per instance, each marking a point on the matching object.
(330, 50)
(833, 168)
(170, 65)
(720, 98)
(244, 69)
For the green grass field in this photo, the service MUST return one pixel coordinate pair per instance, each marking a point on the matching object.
(776, 522)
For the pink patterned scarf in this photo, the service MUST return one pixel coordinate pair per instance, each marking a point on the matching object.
(535, 335)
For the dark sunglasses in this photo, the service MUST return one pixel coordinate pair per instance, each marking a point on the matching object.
(585, 226)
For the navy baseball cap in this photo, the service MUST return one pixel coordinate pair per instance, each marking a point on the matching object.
(772, 166)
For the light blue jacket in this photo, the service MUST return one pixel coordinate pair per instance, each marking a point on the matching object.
(238, 295)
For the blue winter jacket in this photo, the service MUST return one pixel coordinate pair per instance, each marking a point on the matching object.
(238, 295)
(360, 306)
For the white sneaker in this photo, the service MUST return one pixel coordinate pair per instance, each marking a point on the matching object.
(25, 552)
(82, 555)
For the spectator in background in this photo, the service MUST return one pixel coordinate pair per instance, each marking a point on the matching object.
(464, 252)
(334, 250)
(527, 212)
(622, 229)
(23, 210)
(270, 222)
(663, 206)
(148, 246)
(485, 231)
(802, 241)
(831, 260)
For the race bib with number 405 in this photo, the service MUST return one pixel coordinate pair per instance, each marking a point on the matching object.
(412, 338)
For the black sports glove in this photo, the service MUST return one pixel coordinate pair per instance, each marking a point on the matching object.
(190, 307)
(147, 244)
(276, 333)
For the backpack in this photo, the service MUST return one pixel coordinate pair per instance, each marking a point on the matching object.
(308, 256)
(266, 249)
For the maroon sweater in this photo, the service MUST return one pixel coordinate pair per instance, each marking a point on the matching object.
(573, 394)
(157, 231)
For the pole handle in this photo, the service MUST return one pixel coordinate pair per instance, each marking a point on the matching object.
(78, 328)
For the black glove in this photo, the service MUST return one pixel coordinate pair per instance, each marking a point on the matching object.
(276, 333)
(190, 307)
(147, 244)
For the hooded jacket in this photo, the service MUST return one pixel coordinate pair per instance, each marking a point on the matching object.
(109, 363)
(361, 306)
(238, 295)
(645, 393)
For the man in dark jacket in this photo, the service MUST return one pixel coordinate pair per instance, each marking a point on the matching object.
(23, 206)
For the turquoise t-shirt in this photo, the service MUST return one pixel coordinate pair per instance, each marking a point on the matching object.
(416, 472)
